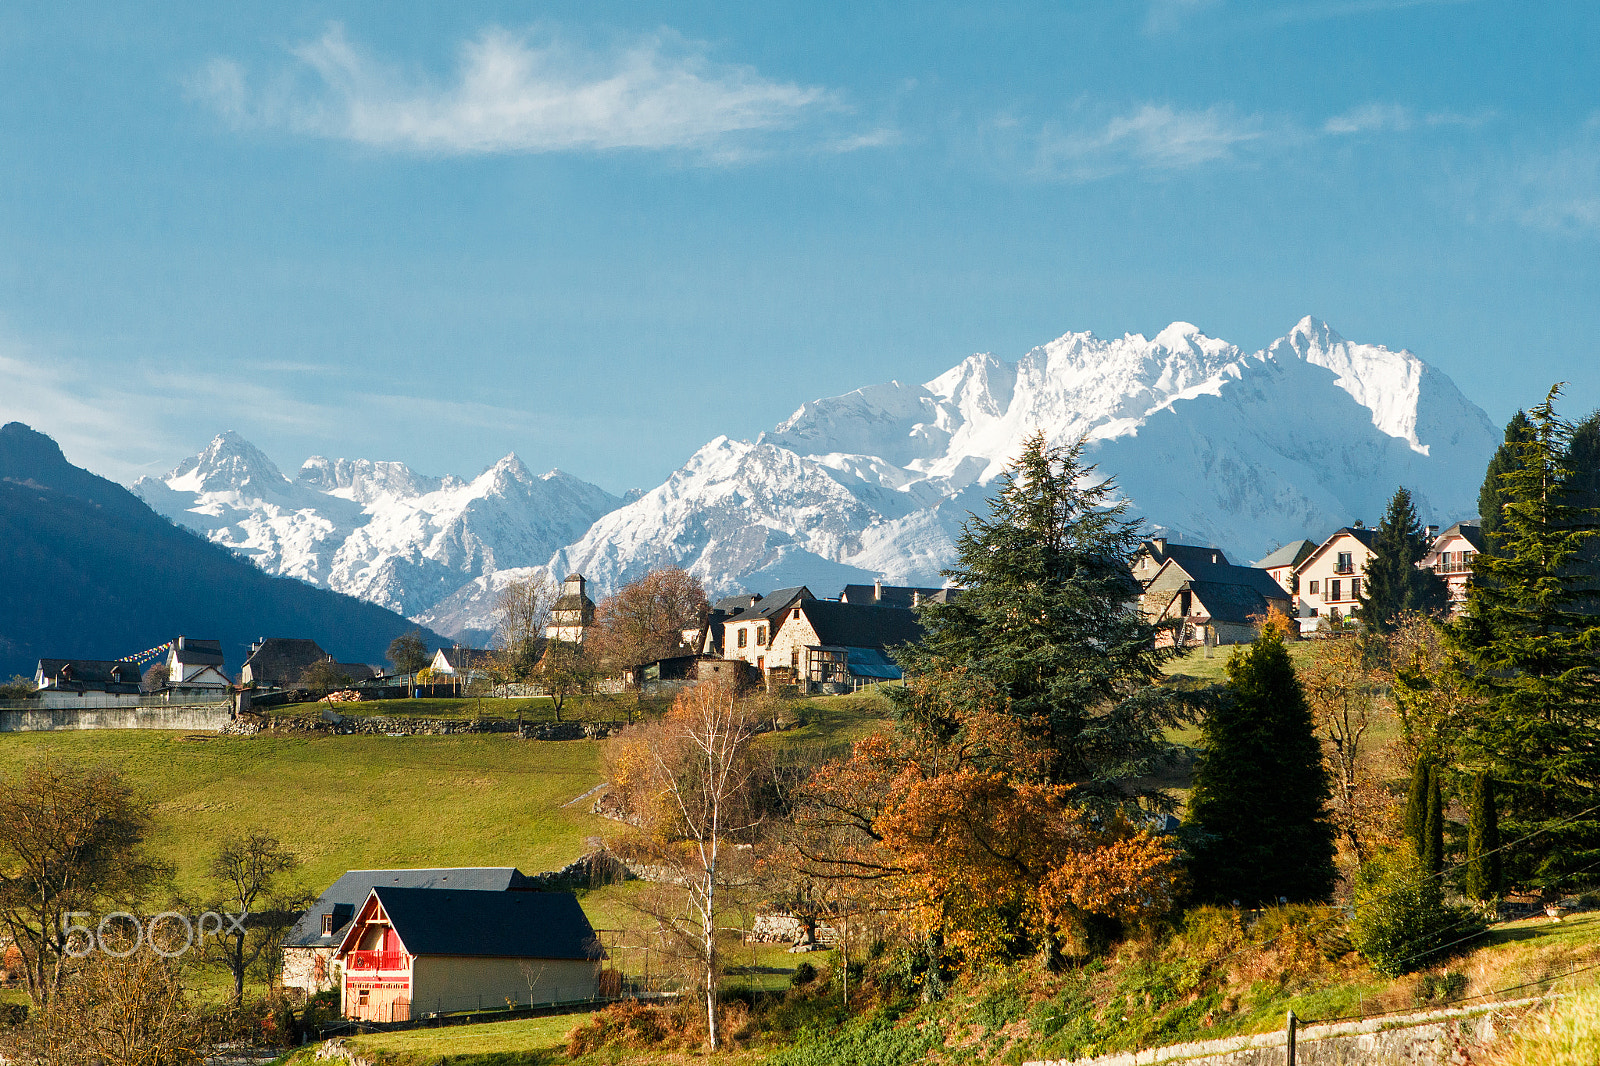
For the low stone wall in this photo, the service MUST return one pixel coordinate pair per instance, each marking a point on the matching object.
(1433, 1038)
(190, 717)
(330, 721)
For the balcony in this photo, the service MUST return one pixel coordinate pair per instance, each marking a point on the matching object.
(1453, 568)
(378, 960)
(1344, 568)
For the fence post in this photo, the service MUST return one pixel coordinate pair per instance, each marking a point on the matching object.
(1291, 1023)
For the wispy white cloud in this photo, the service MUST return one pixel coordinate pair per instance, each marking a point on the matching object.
(518, 92)
(1559, 190)
(1165, 16)
(1397, 118)
(1155, 137)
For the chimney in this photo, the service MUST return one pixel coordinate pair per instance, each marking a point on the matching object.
(877, 589)
(1213, 558)
(916, 598)
(1433, 531)
(1159, 544)
(1356, 524)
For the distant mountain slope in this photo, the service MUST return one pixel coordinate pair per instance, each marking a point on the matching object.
(375, 529)
(88, 570)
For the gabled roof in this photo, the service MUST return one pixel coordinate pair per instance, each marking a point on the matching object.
(1183, 553)
(99, 675)
(904, 596)
(1231, 603)
(1471, 532)
(1362, 534)
(735, 604)
(771, 604)
(357, 671)
(516, 925)
(1249, 577)
(465, 657)
(1291, 554)
(860, 625)
(282, 660)
(198, 652)
(353, 887)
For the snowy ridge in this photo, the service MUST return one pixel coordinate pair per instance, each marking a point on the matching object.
(1208, 443)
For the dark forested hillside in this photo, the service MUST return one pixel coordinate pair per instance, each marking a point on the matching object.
(88, 571)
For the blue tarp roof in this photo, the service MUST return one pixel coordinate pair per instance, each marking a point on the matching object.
(872, 662)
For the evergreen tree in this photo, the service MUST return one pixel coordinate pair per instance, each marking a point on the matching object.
(1483, 872)
(1530, 641)
(1258, 819)
(1416, 816)
(1045, 629)
(1431, 853)
(1508, 457)
(1393, 584)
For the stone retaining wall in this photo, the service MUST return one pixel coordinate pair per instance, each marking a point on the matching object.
(392, 726)
(1433, 1038)
(190, 717)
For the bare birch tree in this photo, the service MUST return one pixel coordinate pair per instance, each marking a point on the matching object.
(522, 611)
(698, 763)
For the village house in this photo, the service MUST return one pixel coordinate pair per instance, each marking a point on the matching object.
(309, 946)
(747, 634)
(711, 637)
(1154, 553)
(1450, 556)
(572, 615)
(280, 662)
(1210, 602)
(195, 666)
(86, 683)
(413, 952)
(1284, 564)
(462, 665)
(830, 645)
(1330, 578)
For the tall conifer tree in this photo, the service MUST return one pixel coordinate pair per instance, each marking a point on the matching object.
(1258, 820)
(1530, 638)
(1046, 623)
(1508, 457)
(1483, 872)
(1416, 815)
(1432, 851)
(1393, 584)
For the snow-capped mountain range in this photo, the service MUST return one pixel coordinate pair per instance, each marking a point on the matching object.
(1210, 444)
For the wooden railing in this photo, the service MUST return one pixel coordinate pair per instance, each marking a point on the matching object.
(377, 960)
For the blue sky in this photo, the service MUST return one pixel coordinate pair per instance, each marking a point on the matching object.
(600, 234)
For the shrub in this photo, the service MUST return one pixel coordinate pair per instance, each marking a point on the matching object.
(1401, 920)
(803, 975)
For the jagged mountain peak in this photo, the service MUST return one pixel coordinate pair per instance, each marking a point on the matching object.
(229, 463)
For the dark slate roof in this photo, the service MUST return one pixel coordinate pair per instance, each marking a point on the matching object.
(771, 604)
(894, 595)
(860, 625)
(735, 604)
(1291, 554)
(91, 675)
(352, 888)
(1227, 574)
(199, 652)
(357, 671)
(872, 662)
(518, 925)
(1231, 603)
(1185, 554)
(465, 657)
(1471, 531)
(283, 660)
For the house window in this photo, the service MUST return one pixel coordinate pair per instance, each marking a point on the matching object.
(1313, 612)
(761, 636)
(796, 615)
(1355, 588)
(1333, 590)
(327, 924)
(744, 636)
(1314, 585)
(1346, 563)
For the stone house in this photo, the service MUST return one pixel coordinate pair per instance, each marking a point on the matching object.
(280, 662)
(309, 946)
(1154, 553)
(412, 952)
(747, 634)
(831, 645)
(1330, 578)
(1209, 602)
